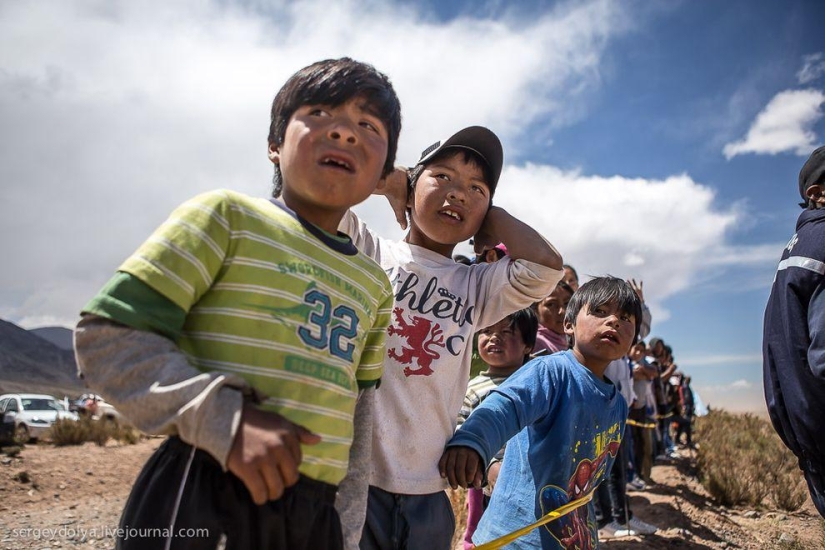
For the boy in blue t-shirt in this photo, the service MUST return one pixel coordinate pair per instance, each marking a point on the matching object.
(567, 420)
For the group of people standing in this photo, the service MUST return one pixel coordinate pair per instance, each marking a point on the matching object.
(661, 402)
(309, 373)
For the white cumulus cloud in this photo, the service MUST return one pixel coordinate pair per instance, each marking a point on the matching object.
(785, 124)
(812, 69)
(116, 111)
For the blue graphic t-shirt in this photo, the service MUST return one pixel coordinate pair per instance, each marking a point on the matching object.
(568, 426)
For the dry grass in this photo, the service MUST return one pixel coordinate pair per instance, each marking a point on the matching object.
(742, 461)
(70, 432)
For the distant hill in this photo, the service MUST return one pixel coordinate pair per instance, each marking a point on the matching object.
(59, 336)
(31, 363)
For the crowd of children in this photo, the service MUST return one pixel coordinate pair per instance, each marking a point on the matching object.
(660, 416)
(311, 374)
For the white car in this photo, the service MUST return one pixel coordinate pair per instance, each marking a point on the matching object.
(27, 416)
(97, 407)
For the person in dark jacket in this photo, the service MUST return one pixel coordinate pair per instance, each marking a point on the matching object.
(793, 346)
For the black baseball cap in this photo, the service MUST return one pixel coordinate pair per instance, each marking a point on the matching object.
(812, 172)
(478, 139)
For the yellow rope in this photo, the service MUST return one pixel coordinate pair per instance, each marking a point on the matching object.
(547, 518)
(646, 425)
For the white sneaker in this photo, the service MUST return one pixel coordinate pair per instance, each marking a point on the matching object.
(607, 532)
(614, 529)
(642, 527)
(637, 485)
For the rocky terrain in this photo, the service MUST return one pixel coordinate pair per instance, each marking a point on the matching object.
(71, 497)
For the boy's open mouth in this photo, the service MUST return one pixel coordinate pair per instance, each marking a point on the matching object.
(612, 336)
(337, 162)
(452, 214)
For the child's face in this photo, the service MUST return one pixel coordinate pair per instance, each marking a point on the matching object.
(331, 159)
(601, 335)
(448, 205)
(551, 310)
(502, 346)
(570, 279)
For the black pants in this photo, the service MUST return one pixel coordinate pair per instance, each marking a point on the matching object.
(610, 503)
(816, 487)
(215, 507)
(685, 427)
(408, 522)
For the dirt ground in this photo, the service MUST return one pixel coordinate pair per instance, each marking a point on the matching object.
(689, 519)
(71, 497)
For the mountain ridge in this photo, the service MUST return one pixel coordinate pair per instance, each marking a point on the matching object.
(32, 363)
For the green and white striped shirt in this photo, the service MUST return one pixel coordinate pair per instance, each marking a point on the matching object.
(298, 313)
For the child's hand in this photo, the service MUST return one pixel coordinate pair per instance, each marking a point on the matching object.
(522, 241)
(266, 453)
(492, 474)
(395, 188)
(485, 238)
(462, 467)
(638, 289)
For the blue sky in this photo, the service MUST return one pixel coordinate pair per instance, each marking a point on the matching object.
(653, 140)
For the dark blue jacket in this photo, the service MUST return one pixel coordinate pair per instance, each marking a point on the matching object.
(793, 346)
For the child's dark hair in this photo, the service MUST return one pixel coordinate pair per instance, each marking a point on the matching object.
(604, 290)
(467, 155)
(526, 321)
(562, 285)
(333, 82)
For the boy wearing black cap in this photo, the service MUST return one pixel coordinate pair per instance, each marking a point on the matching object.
(793, 346)
(439, 304)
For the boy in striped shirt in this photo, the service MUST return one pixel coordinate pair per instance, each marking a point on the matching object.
(244, 328)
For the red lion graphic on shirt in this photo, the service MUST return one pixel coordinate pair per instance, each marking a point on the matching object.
(422, 336)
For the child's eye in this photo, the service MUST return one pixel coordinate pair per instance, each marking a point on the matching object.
(479, 189)
(369, 126)
(318, 112)
(444, 177)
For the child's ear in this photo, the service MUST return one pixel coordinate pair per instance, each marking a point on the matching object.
(410, 198)
(568, 328)
(816, 193)
(274, 154)
(527, 350)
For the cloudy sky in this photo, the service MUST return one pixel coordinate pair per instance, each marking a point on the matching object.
(652, 140)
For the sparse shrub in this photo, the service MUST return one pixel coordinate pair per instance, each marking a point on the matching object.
(100, 432)
(69, 432)
(741, 460)
(22, 477)
(12, 451)
(128, 434)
